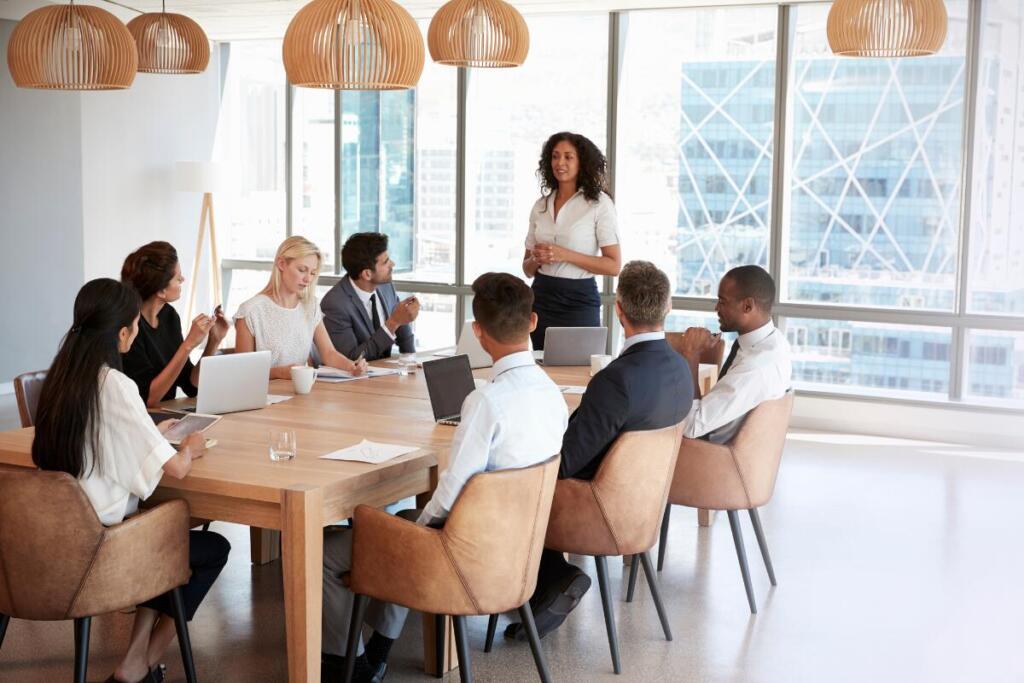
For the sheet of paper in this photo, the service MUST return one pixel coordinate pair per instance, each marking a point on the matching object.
(370, 451)
(334, 375)
(276, 398)
(571, 389)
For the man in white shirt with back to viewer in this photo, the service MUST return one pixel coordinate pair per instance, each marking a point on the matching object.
(758, 367)
(516, 420)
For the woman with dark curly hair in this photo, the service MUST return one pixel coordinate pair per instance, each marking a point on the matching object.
(573, 235)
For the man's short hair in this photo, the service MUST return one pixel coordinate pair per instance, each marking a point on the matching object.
(644, 292)
(755, 283)
(361, 250)
(502, 304)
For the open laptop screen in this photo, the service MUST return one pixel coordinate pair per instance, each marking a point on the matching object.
(449, 382)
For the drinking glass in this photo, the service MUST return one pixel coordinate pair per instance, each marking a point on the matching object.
(282, 444)
(406, 363)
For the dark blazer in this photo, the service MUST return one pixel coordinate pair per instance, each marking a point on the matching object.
(152, 350)
(647, 387)
(351, 327)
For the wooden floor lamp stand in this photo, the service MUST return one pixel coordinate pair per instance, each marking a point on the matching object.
(215, 288)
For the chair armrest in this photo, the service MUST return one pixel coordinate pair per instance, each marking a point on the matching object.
(138, 559)
(398, 561)
(576, 523)
(706, 476)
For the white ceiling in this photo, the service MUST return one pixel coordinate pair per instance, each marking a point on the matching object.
(247, 19)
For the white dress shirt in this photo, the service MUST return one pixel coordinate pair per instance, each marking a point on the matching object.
(516, 420)
(642, 337)
(133, 451)
(364, 297)
(581, 226)
(761, 371)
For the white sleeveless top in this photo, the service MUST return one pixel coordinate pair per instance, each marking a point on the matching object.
(286, 332)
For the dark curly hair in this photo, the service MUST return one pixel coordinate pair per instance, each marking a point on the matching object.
(593, 166)
(150, 268)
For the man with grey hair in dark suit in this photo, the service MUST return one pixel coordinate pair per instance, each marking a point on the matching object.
(362, 313)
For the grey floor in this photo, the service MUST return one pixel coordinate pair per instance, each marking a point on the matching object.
(897, 561)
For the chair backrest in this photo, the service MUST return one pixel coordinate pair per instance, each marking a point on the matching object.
(713, 356)
(57, 561)
(26, 391)
(494, 534)
(619, 511)
(738, 475)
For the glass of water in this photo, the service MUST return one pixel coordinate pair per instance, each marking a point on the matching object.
(406, 363)
(282, 444)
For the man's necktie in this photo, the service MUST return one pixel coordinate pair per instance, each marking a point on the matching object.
(376, 321)
(728, 361)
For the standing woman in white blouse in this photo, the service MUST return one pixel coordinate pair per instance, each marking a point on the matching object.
(573, 235)
(285, 317)
(93, 424)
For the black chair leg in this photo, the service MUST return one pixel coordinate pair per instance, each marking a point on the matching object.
(655, 593)
(82, 625)
(462, 648)
(741, 555)
(355, 630)
(755, 521)
(609, 615)
(663, 538)
(632, 577)
(440, 628)
(206, 527)
(4, 620)
(492, 625)
(526, 617)
(184, 643)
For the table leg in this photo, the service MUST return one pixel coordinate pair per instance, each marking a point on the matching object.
(705, 517)
(303, 548)
(430, 626)
(264, 545)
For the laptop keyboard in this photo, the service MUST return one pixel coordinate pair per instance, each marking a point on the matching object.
(453, 420)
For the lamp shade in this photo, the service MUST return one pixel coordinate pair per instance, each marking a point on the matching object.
(482, 33)
(353, 45)
(886, 28)
(199, 176)
(71, 47)
(170, 44)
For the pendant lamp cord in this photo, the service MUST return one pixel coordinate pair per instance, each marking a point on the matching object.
(112, 2)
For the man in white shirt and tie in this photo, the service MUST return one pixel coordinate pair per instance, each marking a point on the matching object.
(758, 367)
(516, 420)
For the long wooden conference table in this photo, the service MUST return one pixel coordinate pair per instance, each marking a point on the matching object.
(237, 482)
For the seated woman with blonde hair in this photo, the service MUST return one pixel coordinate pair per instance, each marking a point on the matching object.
(285, 317)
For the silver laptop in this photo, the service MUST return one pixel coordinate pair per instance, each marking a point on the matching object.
(232, 382)
(469, 345)
(573, 345)
(449, 382)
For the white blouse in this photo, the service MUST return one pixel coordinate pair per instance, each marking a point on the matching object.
(286, 332)
(582, 225)
(132, 451)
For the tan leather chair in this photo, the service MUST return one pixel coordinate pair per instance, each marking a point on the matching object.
(26, 390)
(617, 513)
(483, 561)
(58, 562)
(739, 475)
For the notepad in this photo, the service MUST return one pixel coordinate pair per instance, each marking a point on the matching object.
(571, 389)
(334, 375)
(370, 451)
(277, 398)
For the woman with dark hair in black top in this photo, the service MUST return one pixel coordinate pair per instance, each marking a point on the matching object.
(158, 361)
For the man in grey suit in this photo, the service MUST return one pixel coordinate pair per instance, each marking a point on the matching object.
(362, 313)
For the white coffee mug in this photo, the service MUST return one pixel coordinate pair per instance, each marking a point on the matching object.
(303, 377)
(598, 362)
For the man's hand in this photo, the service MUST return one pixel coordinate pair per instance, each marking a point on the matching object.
(695, 341)
(405, 312)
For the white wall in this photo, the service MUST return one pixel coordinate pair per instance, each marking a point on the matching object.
(84, 179)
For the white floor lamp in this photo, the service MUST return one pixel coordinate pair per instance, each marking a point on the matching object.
(205, 177)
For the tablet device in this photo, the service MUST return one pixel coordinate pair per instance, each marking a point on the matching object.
(188, 424)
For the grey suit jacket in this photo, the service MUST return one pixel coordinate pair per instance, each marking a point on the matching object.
(351, 327)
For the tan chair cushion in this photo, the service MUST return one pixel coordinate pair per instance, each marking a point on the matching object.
(739, 475)
(619, 511)
(483, 561)
(58, 562)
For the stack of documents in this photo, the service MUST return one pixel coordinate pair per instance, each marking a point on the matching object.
(328, 374)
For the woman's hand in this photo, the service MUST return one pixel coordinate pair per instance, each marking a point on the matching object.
(219, 327)
(166, 424)
(359, 367)
(545, 253)
(197, 333)
(196, 443)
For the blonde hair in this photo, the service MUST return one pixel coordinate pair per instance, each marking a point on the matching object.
(292, 248)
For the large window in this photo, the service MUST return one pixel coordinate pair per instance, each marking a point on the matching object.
(511, 112)
(313, 168)
(693, 181)
(874, 169)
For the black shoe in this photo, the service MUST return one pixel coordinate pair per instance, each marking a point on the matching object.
(379, 672)
(552, 609)
(332, 669)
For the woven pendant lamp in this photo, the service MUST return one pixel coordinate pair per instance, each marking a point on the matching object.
(71, 47)
(482, 33)
(169, 43)
(353, 45)
(886, 28)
